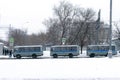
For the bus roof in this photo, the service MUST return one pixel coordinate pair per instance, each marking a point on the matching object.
(102, 45)
(65, 46)
(28, 46)
(1, 43)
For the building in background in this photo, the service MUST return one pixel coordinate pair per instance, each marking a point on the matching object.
(99, 35)
(117, 43)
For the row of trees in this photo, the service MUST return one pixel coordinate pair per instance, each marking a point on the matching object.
(73, 23)
(117, 30)
(22, 38)
(70, 22)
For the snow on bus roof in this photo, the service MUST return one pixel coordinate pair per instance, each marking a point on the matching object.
(1, 43)
(65, 46)
(102, 45)
(28, 46)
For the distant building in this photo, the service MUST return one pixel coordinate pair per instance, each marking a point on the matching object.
(98, 35)
(117, 43)
(104, 36)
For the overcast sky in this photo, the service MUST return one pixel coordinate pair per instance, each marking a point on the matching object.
(31, 13)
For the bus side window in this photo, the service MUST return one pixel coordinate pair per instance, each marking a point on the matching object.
(73, 48)
(88, 48)
(113, 47)
(57, 49)
(37, 49)
(21, 50)
(16, 50)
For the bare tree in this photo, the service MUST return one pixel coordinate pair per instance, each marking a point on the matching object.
(53, 33)
(18, 35)
(70, 22)
(36, 39)
(117, 30)
(64, 13)
(84, 19)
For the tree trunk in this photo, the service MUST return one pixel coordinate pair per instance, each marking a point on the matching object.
(81, 48)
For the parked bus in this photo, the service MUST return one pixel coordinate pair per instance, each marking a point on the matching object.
(100, 50)
(28, 51)
(64, 50)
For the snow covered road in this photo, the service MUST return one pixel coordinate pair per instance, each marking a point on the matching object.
(99, 68)
(76, 68)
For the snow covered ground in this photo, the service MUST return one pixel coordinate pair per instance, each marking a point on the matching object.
(47, 68)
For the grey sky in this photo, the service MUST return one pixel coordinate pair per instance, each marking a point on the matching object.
(31, 13)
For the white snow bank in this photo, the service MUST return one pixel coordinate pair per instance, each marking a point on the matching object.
(100, 68)
(76, 68)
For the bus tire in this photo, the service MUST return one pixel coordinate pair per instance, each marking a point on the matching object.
(18, 56)
(34, 56)
(70, 55)
(106, 55)
(92, 55)
(55, 56)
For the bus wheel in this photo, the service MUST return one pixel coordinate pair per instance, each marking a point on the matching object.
(70, 55)
(55, 55)
(106, 55)
(18, 56)
(34, 56)
(92, 55)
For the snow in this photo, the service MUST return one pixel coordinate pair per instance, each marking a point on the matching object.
(47, 68)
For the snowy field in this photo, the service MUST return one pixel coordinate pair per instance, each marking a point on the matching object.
(47, 68)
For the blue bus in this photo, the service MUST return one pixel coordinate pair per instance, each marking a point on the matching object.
(100, 50)
(64, 50)
(28, 51)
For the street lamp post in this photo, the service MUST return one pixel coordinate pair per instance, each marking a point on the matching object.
(110, 34)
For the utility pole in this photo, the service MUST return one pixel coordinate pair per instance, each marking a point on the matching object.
(110, 32)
